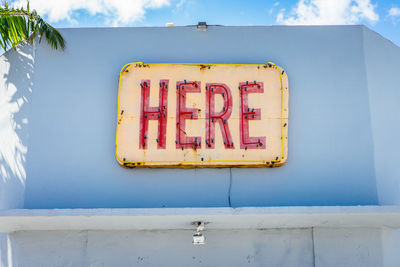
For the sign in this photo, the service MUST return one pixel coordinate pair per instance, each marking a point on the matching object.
(202, 115)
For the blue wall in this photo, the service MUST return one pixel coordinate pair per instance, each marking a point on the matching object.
(71, 162)
(383, 68)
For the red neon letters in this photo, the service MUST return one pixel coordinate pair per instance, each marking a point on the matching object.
(153, 113)
(221, 117)
(184, 113)
(247, 113)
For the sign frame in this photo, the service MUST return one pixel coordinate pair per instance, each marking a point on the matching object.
(276, 162)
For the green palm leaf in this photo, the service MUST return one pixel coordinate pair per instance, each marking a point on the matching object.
(19, 25)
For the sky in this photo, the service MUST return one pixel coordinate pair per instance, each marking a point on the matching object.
(382, 16)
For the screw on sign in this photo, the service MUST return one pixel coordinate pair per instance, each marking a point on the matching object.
(216, 115)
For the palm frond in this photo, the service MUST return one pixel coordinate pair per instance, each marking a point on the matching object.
(13, 28)
(19, 24)
(52, 35)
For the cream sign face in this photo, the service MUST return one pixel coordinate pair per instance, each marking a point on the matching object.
(202, 115)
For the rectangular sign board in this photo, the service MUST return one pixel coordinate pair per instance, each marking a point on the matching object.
(202, 115)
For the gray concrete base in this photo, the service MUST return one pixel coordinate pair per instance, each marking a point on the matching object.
(322, 247)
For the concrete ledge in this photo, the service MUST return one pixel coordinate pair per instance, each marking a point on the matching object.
(217, 218)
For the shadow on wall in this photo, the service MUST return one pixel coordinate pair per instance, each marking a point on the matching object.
(16, 67)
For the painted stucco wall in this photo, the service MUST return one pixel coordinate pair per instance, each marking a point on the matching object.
(382, 59)
(57, 128)
(320, 247)
(16, 74)
(70, 158)
(59, 114)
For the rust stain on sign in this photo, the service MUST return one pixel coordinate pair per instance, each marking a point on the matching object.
(202, 115)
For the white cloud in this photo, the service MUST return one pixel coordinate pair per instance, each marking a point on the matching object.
(394, 12)
(180, 3)
(116, 11)
(273, 8)
(328, 12)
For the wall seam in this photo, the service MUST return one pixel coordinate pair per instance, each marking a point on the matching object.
(364, 61)
(313, 245)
